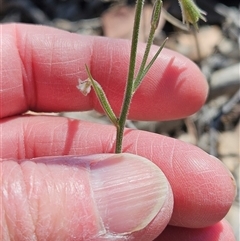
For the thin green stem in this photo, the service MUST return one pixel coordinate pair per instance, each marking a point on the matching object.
(132, 82)
(130, 79)
(145, 57)
(144, 71)
(154, 24)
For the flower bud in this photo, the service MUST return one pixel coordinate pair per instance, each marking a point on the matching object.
(156, 13)
(191, 13)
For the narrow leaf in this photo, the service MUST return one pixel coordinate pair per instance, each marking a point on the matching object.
(144, 72)
(154, 23)
(102, 98)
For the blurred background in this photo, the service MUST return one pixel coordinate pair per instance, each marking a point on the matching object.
(215, 49)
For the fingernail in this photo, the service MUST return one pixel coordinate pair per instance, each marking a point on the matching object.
(128, 190)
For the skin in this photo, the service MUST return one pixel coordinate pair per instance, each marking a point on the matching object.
(40, 68)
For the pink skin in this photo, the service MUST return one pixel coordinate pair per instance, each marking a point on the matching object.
(219, 231)
(40, 68)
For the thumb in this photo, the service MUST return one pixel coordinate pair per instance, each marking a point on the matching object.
(97, 197)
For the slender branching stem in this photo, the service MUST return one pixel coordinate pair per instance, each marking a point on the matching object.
(146, 69)
(191, 14)
(154, 24)
(130, 79)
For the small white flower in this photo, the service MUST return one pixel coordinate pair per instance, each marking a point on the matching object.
(84, 86)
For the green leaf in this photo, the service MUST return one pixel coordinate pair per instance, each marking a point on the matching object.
(102, 98)
(139, 78)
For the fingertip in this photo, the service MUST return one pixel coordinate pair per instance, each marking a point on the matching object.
(176, 85)
(203, 188)
(220, 231)
(101, 196)
(143, 195)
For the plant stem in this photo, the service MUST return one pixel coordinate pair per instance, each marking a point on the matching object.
(154, 24)
(130, 79)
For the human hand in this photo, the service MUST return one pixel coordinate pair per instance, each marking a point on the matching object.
(56, 196)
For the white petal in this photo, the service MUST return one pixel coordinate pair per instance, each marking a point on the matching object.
(84, 86)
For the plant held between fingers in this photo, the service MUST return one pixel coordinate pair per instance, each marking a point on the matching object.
(191, 15)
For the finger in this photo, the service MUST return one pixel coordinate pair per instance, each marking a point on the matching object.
(41, 67)
(203, 188)
(221, 231)
(97, 197)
